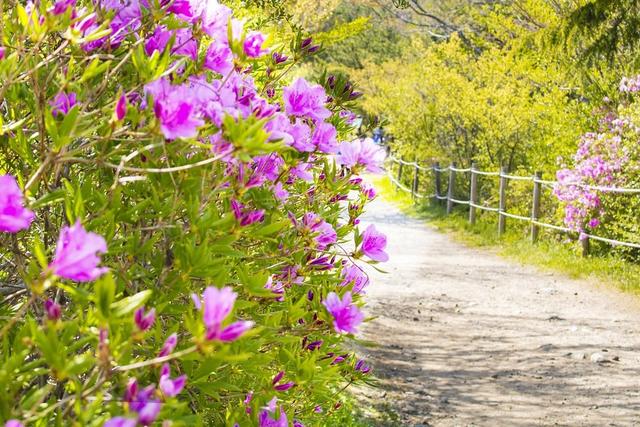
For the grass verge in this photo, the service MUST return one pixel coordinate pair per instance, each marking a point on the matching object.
(552, 252)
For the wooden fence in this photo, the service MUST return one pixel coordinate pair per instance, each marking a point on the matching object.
(474, 204)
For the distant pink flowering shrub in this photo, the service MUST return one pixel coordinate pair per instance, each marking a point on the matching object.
(608, 158)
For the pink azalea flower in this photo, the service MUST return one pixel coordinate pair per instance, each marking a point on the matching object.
(184, 43)
(219, 58)
(373, 244)
(348, 116)
(53, 309)
(184, 10)
(144, 321)
(262, 109)
(315, 345)
(279, 128)
(265, 168)
(277, 378)
(277, 287)
(121, 107)
(302, 99)
(301, 134)
(149, 412)
(3, 51)
(121, 422)
(217, 305)
(215, 20)
(125, 21)
(279, 58)
(353, 275)
(175, 107)
(170, 387)
(281, 387)
(246, 216)
(269, 416)
(77, 254)
(253, 44)
(346, 316)
(87, 26)
(142, 402)
(323, 233)
(302, 171)
(284, 386)
(61, 6)
(169, 345)
(324, 138)
(62, 103)
(279, 192)
(233, 96)
(13, 423)
(362, 152)
(13, 215)
(368, 190)
(361, 366)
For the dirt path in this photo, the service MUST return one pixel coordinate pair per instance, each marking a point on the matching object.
(469, 338)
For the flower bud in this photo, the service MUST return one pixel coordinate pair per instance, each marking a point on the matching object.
(53, 310)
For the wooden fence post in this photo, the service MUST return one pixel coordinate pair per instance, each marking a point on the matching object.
(452, 183)
(535, 207)
(438, 180)
(399, 175)
(473, 194)
(502, 223)
(585, 246)
(416, 181)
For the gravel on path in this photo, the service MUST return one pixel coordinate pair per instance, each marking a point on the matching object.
(467, 338)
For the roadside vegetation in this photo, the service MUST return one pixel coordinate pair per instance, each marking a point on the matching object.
(554, 252)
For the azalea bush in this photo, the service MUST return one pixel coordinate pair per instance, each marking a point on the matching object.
(606, 160)
(179, 220)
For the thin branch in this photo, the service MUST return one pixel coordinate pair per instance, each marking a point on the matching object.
(155, 361)
(148, 170)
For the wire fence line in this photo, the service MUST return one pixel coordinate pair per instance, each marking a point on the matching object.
(533, 219)
(407, 189)
(517, 177)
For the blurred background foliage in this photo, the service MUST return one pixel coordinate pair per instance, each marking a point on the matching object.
(442, 74)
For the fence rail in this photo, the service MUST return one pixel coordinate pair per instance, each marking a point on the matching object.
(501, 210)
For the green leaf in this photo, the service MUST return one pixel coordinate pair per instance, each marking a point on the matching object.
(104, 295)
(51, 127)
(80, 364)
(66, 128)
(270, 229)
(128, 304)
(94, 69)
(52, 198)
(38, 251)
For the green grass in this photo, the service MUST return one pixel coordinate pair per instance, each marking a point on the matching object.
(552, 252)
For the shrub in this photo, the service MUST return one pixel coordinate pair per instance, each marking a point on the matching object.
(171, 221)
(606, 159)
